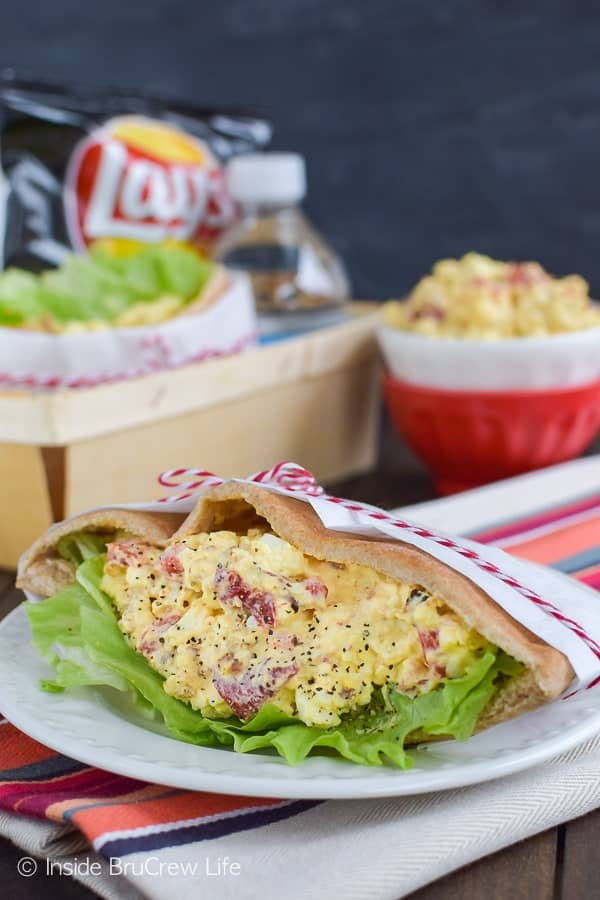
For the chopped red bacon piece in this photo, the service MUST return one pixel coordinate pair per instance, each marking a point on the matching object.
(428, 311)
(280, 674)
(246, 696)
(129, 553)
(525, 274)
(316, 588)
(171, 564)
(517, 275)
(231, 588)
(151, 635)
(430, 641)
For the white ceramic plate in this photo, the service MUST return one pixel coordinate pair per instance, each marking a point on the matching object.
(98, 728)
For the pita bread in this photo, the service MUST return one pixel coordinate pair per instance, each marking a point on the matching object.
(44, 572)
(237, 507)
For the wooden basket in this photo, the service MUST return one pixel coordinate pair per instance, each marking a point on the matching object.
(312, 399)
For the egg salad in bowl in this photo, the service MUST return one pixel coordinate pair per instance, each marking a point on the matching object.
(482, 324)
(479, 298)
(250, 625)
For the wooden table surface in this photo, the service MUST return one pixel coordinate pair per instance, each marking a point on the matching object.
(559, 864)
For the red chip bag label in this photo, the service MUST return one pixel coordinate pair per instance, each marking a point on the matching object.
(142, 180)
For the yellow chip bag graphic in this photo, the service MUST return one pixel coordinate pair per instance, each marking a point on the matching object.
(163, 142)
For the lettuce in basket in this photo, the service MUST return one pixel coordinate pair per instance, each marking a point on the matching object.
(144, 287)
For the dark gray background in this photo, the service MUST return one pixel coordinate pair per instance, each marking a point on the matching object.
(431, 127)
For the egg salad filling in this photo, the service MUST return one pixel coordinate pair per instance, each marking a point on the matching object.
(480, 298)
(231, 621)
(242, 640)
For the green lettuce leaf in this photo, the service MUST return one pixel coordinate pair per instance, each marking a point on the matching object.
(142, 274)
(58, 637)
(81, 545)
(183, 273)
(156, 270)
(19, 297)
(77, 633)
(101, 286)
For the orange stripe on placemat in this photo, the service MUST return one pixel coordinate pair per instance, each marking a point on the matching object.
(61, 810)
(99, 820)
(550, 548)
(19, 750)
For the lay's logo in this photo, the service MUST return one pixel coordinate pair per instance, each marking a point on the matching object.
(137, 179)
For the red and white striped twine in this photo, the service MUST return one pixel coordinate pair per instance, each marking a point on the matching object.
(285, 475)
(297, 479)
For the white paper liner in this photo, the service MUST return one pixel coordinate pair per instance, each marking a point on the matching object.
(46, 361)
(567, 619)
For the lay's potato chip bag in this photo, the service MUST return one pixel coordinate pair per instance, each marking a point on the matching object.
(90, 170)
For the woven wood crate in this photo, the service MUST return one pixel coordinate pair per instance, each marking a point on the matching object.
(313, 399)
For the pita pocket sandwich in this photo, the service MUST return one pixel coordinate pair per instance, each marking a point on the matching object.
(250, 624)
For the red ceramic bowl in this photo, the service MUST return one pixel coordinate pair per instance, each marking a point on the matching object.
(468, 438)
